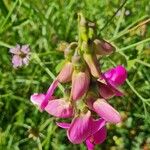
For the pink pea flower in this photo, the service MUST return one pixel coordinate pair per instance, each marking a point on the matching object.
(114, 78)
(66, 73)
(82, 127)
(80, 84)
(21, 55)
(106, 111)
(41, 99)
(60, 108)
(97, 138)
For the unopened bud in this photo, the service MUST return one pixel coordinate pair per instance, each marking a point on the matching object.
(65, 74)
(80, 84)
(102, 47)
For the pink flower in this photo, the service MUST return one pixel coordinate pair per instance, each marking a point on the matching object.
(82, 127)
(114, 78)
(106, 111)
(41, 100)
(80, 84)
(59, 108)
(97, 138)
(37, 98)
(49, 94)
(66, 73)
(20, 55)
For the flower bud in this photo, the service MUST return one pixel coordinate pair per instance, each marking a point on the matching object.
(66, 73)
(102, 47)
(80, 84)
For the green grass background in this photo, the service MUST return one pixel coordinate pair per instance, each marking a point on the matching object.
(43, 24)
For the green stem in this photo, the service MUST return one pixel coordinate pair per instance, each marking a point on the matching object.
(36, 57)
(135, 44)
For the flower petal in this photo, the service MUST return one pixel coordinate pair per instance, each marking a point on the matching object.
(59, 108)
(37, 98)
(25, 49)
(106, 111)
(79, 128)
(96, 125)
(15, 50)
(116, 76)
(113, 87)
(17, 61)
(63, 125)
(100, 136)
(26, 60)
(66, 73)
(105, 91)
(102, 47)
(49, 94)
(80, 84)
(89, 144)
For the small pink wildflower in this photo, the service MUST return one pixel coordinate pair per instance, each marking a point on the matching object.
(20, 55)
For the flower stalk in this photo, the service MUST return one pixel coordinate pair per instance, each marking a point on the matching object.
(85, 102)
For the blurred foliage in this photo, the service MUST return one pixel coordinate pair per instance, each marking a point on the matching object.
(43, 24)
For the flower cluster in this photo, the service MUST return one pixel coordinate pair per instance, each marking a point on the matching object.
(86, 100)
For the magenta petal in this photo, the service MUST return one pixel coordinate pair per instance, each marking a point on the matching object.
(17, 61)
(100, 136)
(79, 128)
(106, 111)
(63, 125)
(37, 99)
(59, 108)
(96, 125)
(89, 144)
(120, 75)
(116, 76)
(49, 94)
(111, 86)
